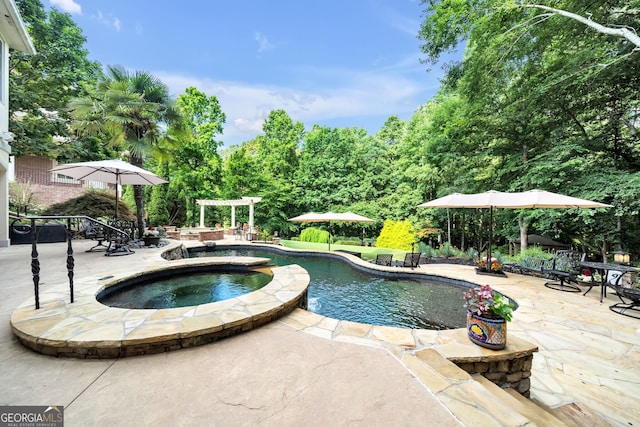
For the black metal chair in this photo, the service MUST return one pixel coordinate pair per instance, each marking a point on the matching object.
(95, 231)
(564, 268)
(384, 259)
(629, 304)
(411, 260)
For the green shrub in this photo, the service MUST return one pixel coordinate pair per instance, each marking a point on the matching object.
(93, 203)
(348, 242)
(427, 250)
(448, 251)
(396, 235)
(533, 252)
(471, 254)
(315, 235)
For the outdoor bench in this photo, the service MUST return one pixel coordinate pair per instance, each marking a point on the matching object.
(564, 267)
(531, 265)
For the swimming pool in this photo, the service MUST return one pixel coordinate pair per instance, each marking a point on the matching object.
(340, 291)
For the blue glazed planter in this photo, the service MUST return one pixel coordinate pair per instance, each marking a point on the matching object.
(486, 332)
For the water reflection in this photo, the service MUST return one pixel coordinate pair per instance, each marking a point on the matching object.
(339, 291)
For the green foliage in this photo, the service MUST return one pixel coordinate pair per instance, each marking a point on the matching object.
(132, 108)
(471, 254)
(40, 85)
(446, 250)
(196, 166)
(348, 241)
(532, 252)
(94, 203)
(316, 235)
(396, 235)
(427, 250)
(157, 211)
(22, 199)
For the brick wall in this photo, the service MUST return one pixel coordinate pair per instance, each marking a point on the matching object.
(46, 189)
(47, 195)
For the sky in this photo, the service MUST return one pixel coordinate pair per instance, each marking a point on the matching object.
(335, 63)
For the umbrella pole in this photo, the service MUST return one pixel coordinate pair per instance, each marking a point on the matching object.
(116, 198)
(490, 238)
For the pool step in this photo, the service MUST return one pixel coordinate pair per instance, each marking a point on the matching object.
(475, 400)
(539, 415)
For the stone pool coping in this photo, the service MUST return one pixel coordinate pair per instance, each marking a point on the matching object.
(89, 329)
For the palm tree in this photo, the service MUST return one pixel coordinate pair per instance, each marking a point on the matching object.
(131, 109)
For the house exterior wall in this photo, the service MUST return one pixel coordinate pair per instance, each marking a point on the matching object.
(46, 188)
(13, 33)
(5, 148)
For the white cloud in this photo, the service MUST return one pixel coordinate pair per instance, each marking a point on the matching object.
(263, 42)
(69, 6)
(337, 94)
(111, 21)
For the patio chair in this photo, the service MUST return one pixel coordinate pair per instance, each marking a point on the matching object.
(564, 267)
(629, 304)
(384, 259)
(95, 232)
(411, 260)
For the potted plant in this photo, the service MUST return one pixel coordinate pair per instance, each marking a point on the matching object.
(487, 315)
(495, 267)
(151, 236)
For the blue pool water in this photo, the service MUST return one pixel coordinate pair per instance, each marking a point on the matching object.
(339, 291)
(185, 289)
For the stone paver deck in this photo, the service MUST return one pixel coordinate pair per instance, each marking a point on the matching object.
(587, 355)
(89, 329)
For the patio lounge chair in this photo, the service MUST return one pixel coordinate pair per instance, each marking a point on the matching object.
(629, 304)
(384, 259)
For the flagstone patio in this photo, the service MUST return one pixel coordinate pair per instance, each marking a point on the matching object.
(586, 365)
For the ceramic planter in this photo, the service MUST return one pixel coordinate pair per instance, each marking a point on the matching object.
(487, 332)
(150, 240)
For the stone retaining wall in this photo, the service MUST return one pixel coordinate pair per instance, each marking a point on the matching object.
(512, 373)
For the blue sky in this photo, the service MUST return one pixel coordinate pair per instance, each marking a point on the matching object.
(336, 63)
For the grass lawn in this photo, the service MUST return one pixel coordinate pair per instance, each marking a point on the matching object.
(368, 252)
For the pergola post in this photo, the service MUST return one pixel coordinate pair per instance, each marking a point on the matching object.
(233, 216)
(251, 216)
(201, 216)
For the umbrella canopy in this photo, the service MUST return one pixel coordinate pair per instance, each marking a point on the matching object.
(497, 199)
(115, 172)
(329, 217)
(547, 199)
(309, 217)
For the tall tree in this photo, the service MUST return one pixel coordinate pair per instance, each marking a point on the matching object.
(196, 167)
(42, 84)
(130, 108)
(549, 100)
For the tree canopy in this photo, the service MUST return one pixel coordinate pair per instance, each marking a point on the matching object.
(543, 97)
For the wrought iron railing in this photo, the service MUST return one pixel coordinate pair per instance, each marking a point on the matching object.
(32, 226)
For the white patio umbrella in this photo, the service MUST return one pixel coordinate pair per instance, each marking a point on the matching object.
(115, 172)
(330, 217)
(519, 200)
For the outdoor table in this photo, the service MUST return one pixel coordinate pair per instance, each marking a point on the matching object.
(603, 269)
